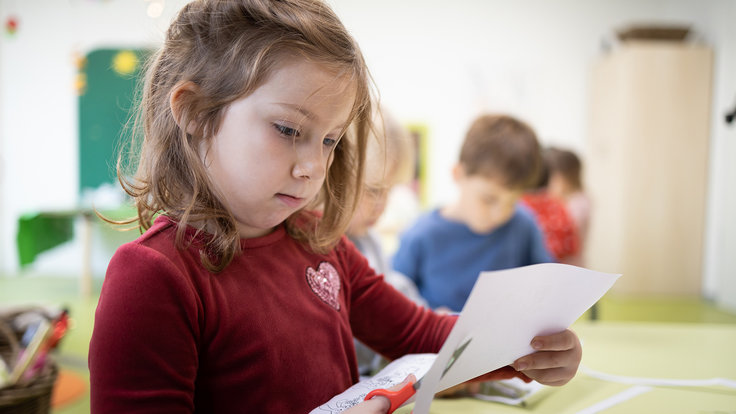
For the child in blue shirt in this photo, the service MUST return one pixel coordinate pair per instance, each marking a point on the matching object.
(485, 228)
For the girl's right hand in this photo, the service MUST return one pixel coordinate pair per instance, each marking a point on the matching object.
(379, 404)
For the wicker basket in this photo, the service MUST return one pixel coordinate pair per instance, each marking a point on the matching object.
(31, 398)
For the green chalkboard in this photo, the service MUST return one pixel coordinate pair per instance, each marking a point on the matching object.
(107, 83)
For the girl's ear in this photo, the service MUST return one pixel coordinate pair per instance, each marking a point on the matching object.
(182, 96)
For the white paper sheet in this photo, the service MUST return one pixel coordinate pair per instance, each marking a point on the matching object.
(504, 311)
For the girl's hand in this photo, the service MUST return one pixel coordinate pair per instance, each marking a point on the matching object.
(555, 361)
(379, 404)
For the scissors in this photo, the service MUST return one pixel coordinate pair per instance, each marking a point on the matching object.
(399, 397)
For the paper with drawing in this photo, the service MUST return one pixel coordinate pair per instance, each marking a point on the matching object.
(392, 374)
(505, 310)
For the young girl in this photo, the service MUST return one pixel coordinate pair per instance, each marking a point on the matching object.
(238, 298)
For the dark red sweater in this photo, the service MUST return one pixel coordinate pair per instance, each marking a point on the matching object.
(272, 333)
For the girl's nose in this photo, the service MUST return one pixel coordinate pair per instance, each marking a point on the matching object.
(310, 164)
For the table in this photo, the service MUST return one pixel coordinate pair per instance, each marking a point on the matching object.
(41, 231)
(634, 349)
(44, 230)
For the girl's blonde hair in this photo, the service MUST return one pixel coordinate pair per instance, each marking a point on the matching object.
(227, 49)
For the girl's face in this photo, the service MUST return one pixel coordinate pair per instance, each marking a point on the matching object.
(272, 151)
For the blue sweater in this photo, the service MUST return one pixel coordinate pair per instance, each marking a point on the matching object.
(444, 258)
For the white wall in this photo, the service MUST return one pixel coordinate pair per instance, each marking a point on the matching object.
(38, 122)
(443, 64)
(435, 62)
(720, 260)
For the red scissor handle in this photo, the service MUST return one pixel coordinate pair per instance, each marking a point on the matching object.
(395, 397)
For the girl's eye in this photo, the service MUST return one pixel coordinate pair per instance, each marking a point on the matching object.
(329, 142)
(286, 131)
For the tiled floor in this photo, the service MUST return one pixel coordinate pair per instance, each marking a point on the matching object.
(73, 350)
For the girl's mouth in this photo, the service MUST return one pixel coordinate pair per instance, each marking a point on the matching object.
(290, 201)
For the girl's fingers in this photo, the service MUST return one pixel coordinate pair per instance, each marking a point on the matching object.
(555, 361)
(561, 341)
(546, 360)
(378, 404)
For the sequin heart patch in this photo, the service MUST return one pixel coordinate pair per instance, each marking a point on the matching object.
(325, 283)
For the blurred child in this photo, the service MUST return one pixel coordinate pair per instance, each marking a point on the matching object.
(238, 297)
(559, 229)
(565, 183)
(389, 161)
(485, 228)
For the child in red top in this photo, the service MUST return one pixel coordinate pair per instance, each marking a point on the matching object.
(566, 184)
(560, 234)
(560, 231)
(237, 298)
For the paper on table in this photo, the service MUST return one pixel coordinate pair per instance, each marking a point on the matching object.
(513, 391)
(505, 310)
(392, 374)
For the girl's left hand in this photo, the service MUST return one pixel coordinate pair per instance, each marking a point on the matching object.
(555, 361)
(379, 404)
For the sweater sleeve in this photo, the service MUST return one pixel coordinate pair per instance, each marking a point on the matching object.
(143, 352)
(385, 319)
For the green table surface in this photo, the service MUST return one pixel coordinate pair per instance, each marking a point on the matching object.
(639, 349)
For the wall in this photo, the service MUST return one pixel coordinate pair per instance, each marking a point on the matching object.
(38, 124)
(720, 261)
(434, 63)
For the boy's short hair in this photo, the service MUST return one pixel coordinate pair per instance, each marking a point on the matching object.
(504, 148)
